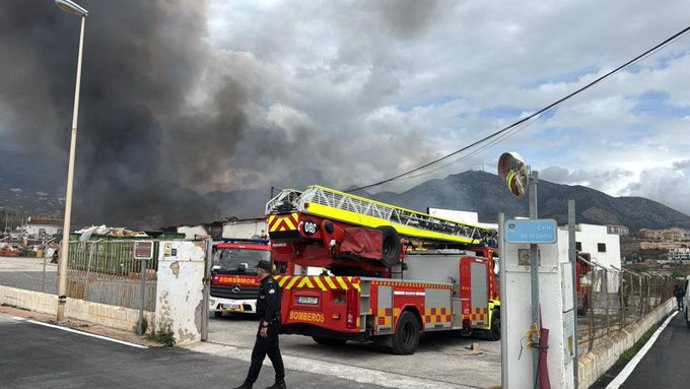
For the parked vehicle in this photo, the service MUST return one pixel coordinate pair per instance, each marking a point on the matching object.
(234, 282)
(686, 301)
(393, 273)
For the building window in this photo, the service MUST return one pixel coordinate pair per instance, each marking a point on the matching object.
(578, 246)
(601, 247)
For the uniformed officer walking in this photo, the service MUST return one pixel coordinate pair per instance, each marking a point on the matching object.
(268, 311)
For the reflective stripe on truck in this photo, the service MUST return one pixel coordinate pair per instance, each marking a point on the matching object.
(316, 282)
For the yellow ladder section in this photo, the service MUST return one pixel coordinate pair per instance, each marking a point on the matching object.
(348, 208)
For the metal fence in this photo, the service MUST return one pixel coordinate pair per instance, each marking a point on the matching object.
(610, 299)
(105, 271)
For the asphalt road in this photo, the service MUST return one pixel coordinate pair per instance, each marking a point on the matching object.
(27, 273)
(34, 356)
(667, 364)
(442, 360)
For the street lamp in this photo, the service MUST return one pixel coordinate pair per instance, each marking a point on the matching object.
(72, 8)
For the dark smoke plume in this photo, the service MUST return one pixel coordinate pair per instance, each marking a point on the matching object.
(138, 144)
(167, 123)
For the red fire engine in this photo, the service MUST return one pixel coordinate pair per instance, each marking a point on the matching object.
(234, 282)
(389, 273)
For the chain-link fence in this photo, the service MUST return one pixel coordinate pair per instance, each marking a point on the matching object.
(105, 271)
(610, 298)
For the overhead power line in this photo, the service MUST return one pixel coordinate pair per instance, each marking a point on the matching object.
(513, 126)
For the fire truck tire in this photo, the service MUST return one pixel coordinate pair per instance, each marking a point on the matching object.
(495, 331)
(328, 341)
(390, 250)
(406, 337)
(217, 313)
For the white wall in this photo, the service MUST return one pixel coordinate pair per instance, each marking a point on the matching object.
(34, 229)
(467, 217)
(591, 235)
(245, 229)
(180, 290)
(555, 296)
(108, 315)
(192, 232)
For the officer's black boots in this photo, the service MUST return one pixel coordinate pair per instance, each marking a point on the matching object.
(278, 385)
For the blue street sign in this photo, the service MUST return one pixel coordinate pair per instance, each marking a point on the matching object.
(539, 231)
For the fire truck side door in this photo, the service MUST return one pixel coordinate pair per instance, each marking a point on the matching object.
(479, 297)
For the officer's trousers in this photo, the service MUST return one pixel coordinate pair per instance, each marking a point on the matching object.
(267, 346)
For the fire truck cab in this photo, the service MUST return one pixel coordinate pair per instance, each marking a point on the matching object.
(234, 282)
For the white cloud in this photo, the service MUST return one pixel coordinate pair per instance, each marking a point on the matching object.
(667, 186)
(396, 84)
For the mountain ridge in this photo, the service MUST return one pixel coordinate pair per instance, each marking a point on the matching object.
(487, 195)
(39, 191)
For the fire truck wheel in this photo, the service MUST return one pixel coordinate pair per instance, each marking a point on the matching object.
(406, 336)
(329, 341)
(495, 331)
(217, 313)
(390, 250)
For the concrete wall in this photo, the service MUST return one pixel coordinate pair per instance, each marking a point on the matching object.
(594, 364)
(107, 315)
(555, 296)
(26, 299)
(180, 289)
(179, 297)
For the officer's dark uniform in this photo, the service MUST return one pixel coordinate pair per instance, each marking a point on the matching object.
(268, 310)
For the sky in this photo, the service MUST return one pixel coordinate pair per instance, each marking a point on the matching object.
(186, 97)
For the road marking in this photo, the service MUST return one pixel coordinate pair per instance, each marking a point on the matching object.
(18, 318)
(87, 334)
(628, 369)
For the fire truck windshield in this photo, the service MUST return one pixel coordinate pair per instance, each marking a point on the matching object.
(238, 261)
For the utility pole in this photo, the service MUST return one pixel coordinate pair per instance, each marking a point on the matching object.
(70, 7)
(572, 256)
(533, 177)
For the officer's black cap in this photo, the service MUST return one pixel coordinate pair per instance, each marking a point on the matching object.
(264, 264)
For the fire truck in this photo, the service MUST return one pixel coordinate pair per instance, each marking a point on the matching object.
(234, 282)
(389, 274)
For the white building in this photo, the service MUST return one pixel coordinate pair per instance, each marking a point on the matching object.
(40, 228)
(679, 254)
(600, 241)
(192, 232)
(255, 228)
(466, 217)
(604, 247)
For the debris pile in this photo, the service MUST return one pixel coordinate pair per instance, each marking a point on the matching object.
(113, 232)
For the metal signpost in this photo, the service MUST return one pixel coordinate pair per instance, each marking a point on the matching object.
(503, 261)
(207, 288)
(143, 250)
